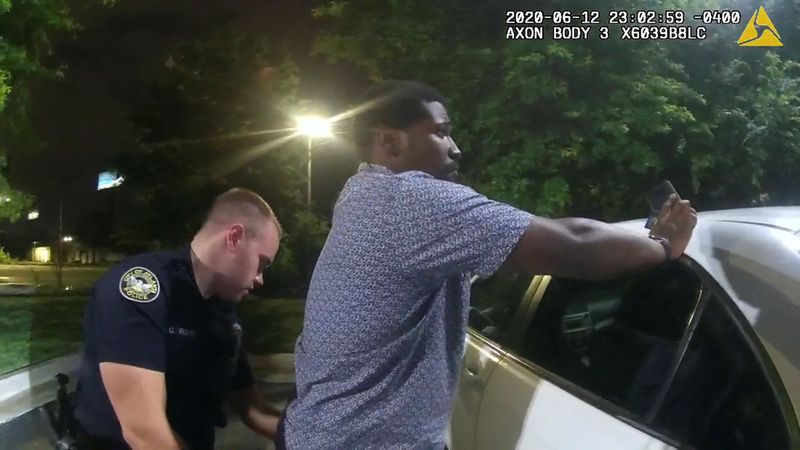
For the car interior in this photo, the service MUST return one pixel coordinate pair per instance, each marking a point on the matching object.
(620, 339)
(617, 338)
(721, 398)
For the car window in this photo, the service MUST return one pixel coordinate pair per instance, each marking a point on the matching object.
(721, 398)
(494, 302)
(616, 339)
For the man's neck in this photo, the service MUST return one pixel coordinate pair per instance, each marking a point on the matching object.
(203, 274)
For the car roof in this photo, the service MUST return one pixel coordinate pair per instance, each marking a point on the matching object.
(754, 255)
(784, 217)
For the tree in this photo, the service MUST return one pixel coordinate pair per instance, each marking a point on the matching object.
(202, 131)
(585, 127)
(27, 30)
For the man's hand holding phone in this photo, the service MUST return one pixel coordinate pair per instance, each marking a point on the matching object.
(675, 220)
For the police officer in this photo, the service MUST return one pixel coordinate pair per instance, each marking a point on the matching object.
(163, 344)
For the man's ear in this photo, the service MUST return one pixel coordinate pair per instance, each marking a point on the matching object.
(391, 141)
(235, 235)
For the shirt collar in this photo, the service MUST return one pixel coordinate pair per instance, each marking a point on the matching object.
(371, 168)
(374, 168)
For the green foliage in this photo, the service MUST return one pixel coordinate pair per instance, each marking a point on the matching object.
(305, 237)
(13, 204)
(271, 325)
(5, 89)
(199, 132)
(587, 127)
(27, 32)
(5, 258)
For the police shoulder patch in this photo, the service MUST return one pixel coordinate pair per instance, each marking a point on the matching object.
(139, 285)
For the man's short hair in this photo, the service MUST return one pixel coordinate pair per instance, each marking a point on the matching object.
(241, 204)
(393, 104)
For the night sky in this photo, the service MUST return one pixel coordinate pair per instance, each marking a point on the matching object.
(83, 118)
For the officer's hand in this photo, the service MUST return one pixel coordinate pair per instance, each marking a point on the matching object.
(676, 222)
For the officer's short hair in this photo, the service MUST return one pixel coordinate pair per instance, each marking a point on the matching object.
(393, 104)
(244, 203)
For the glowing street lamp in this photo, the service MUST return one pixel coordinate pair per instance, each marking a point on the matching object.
(67, 239)
(313, 127)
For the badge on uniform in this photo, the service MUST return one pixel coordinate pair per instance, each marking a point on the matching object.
(237, 331)
(139, 285)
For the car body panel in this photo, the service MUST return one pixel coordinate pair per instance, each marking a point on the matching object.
(757, 263)
(521, 410)
(480, 360)
(753, 255)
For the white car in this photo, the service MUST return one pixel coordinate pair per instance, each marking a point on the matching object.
(703, 353)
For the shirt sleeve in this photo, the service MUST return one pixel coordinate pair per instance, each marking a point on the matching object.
(130, 318)
(447, 229)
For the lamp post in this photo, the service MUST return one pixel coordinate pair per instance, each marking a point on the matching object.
(311, 127)
(60, 241)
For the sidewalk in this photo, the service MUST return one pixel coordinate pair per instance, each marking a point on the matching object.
(237, 436)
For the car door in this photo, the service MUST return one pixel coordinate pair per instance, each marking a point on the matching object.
(480, 359)
(724, 393)
(592, 362)
(494, 315)
(522, 410)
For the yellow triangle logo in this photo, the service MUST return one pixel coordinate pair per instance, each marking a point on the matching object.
(760, 31)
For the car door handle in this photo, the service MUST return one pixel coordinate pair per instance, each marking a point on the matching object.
(473, 377)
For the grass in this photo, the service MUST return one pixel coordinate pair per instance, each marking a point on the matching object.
(77, 278)
(33, 329)
(271, 325)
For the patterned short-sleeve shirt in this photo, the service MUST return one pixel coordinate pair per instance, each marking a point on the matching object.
(386, 312)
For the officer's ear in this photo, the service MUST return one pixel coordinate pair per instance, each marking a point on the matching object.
(235, 235)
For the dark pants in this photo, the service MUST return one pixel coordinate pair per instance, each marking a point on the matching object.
(280, 436)
(102, 443)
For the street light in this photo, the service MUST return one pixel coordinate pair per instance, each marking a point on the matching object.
(67, 239)
(311, 127)
(33, 215)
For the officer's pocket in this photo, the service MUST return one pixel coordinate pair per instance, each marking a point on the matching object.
(184, 354)
(185, 368)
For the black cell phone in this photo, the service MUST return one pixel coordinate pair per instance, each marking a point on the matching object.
(656, 199)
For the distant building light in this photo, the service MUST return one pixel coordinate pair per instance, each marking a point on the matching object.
(41, 254)
(108, 180)
(33, 215)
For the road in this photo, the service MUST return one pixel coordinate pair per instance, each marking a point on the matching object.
(76, 277)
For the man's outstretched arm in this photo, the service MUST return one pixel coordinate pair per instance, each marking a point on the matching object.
(592, 250)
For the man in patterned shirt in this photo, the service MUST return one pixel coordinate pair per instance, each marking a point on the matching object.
(386, 313)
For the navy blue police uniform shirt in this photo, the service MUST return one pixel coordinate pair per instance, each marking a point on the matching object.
(148, 312)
